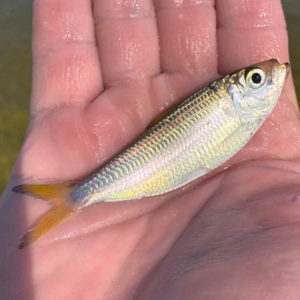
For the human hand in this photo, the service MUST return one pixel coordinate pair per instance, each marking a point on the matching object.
(98, 81)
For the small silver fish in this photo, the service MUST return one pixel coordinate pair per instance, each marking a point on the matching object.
(194, 138)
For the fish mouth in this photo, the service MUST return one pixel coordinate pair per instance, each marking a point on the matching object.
(287, 68)
(284, 66)
(280, 71)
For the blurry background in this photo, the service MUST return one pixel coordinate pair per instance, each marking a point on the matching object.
(15, 72)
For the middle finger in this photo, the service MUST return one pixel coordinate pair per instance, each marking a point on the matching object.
(187, 31)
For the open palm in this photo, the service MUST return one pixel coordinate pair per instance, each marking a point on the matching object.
(102, 71)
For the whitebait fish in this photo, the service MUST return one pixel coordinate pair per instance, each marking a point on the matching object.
(192, 139)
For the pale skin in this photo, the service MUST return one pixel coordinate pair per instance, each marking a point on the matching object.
(99, 77)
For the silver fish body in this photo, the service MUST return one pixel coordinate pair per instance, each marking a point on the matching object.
(195, 137)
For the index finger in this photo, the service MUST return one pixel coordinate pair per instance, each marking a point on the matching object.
(250, 31)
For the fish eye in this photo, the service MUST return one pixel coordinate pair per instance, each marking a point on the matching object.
(255, 78)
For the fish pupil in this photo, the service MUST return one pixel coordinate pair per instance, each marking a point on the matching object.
(256, 78)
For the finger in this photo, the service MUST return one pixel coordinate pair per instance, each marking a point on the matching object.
(187, 31)
(65, 60)
(127, 40)
(251, 31)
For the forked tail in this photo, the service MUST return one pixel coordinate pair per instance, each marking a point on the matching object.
(58, 195)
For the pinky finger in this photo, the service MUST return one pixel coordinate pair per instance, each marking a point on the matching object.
(66, 67)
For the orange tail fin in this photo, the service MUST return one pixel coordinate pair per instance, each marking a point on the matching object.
(58, 194)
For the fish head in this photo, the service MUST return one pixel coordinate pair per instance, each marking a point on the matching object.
(256, 90)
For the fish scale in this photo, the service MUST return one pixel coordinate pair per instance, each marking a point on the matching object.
(167, 133)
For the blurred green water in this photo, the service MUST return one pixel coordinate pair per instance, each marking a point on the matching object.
(292, 12)
(15, 72)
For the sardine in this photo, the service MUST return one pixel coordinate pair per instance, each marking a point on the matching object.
(192, 139)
